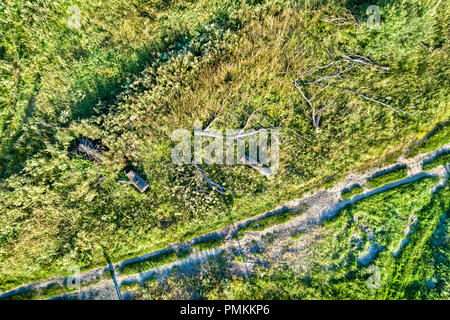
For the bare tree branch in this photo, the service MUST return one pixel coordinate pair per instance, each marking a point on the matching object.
(231, 137)
(313, 109)
(338, 21)
(321, 90)
(211, 183)
(248, 121)
(364, 61)
(309, 70)
(377, 101)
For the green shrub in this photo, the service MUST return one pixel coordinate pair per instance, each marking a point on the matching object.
(297, 235)
(129, 286)
(107, 275)
(183, 253)
(264, 223)
(440, 160)
(437, 138)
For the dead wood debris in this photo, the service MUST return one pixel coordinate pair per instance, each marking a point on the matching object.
(136, 180)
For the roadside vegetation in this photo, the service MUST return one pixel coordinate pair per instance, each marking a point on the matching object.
(51, 291)
(26, 295)
(129, 286)
(133, 73)
(439, 136)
